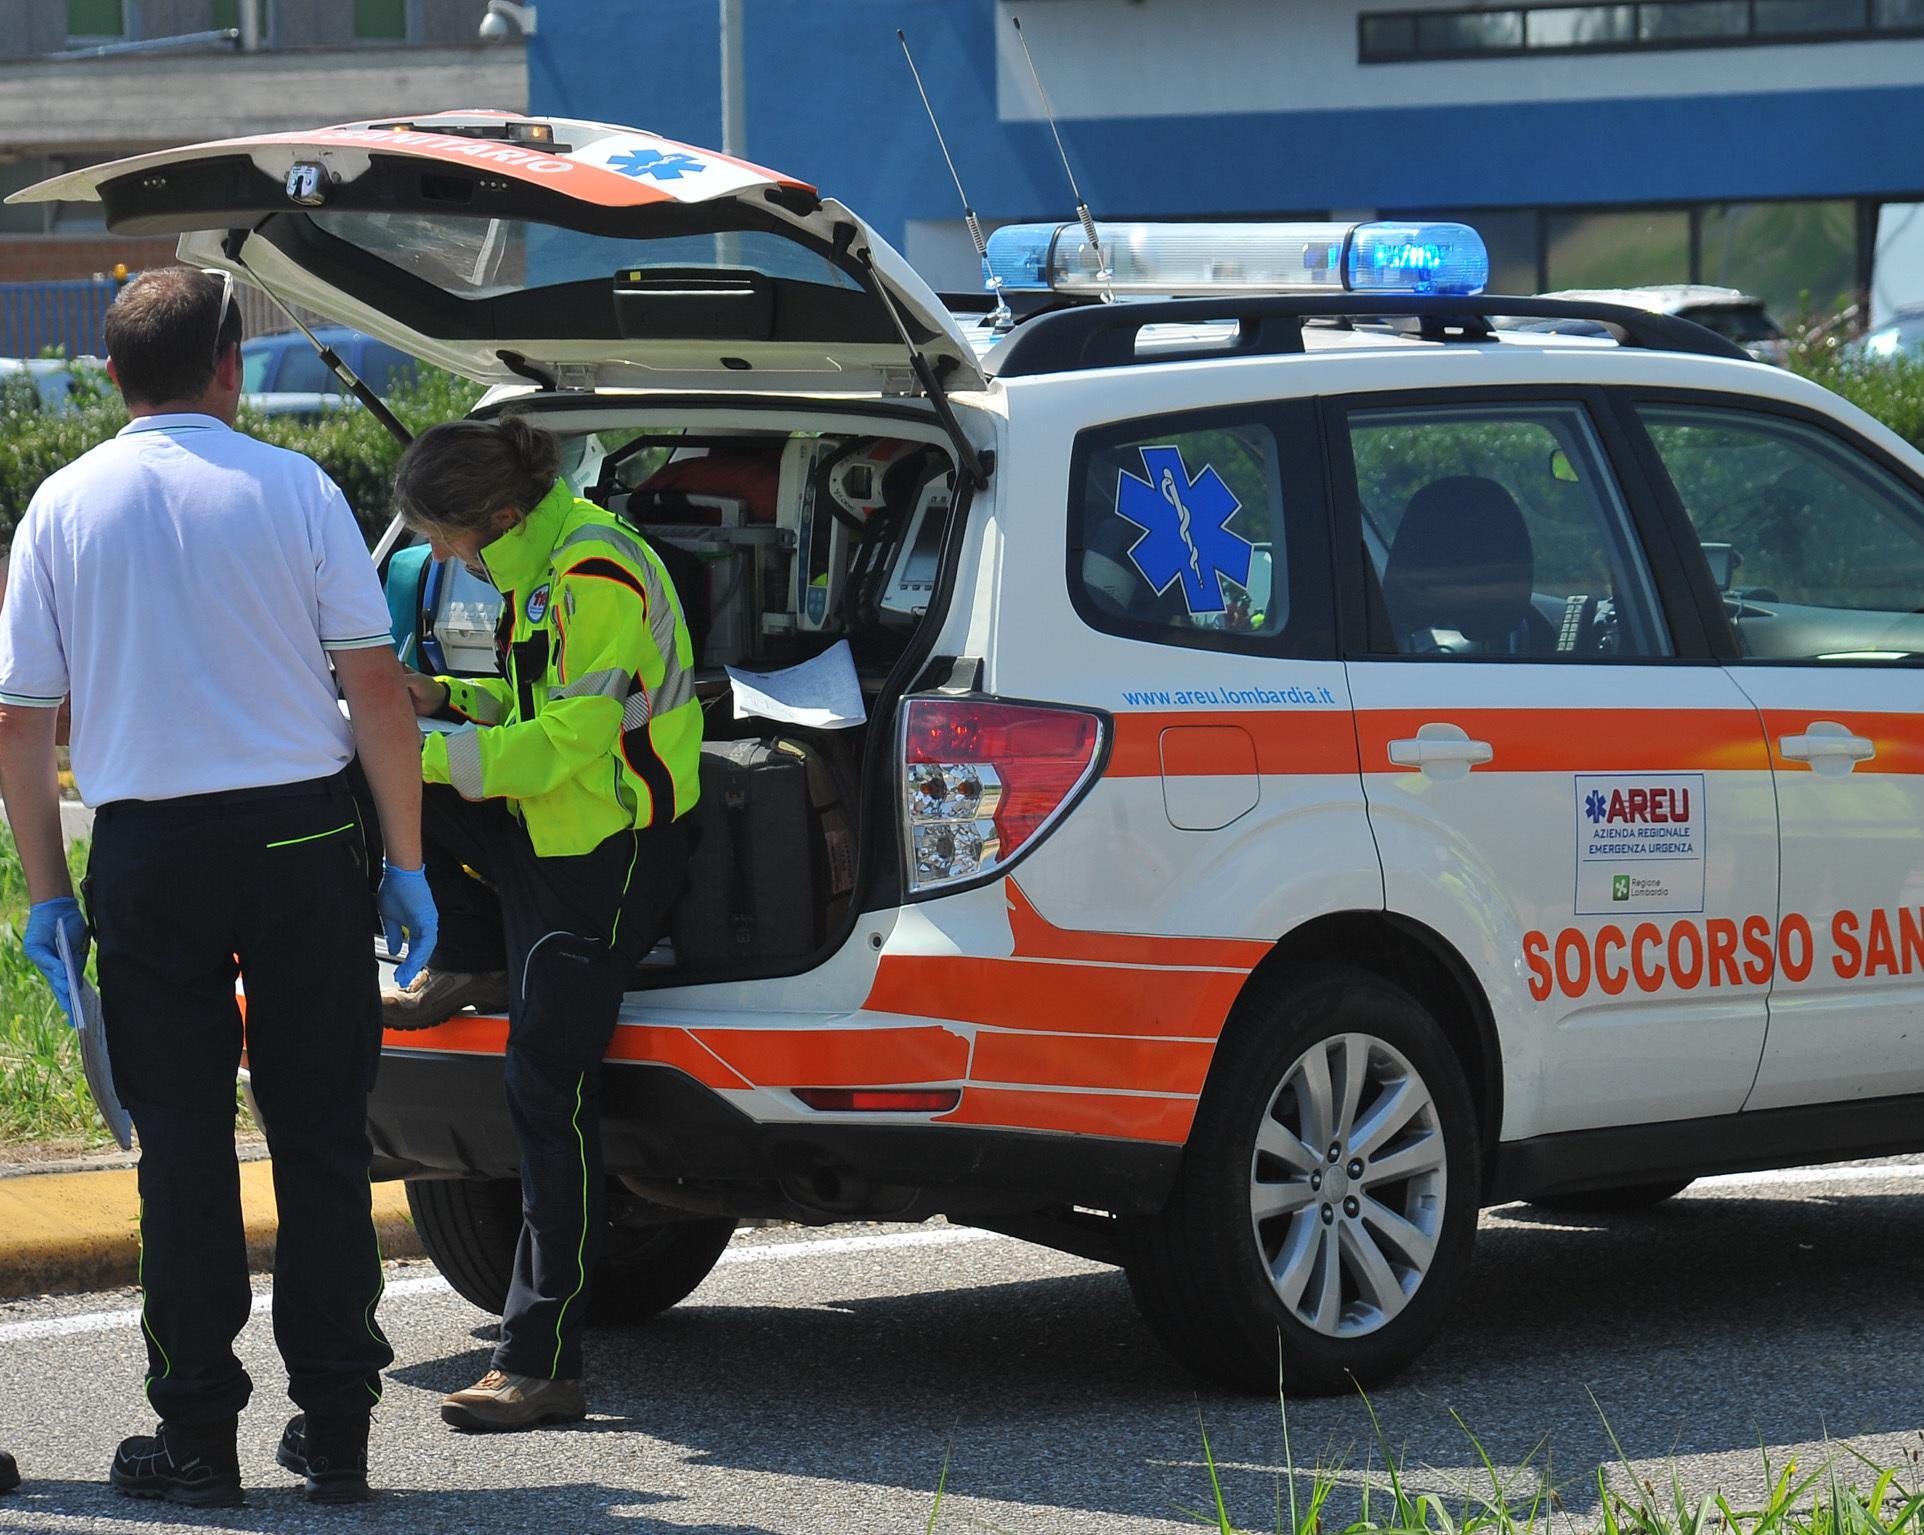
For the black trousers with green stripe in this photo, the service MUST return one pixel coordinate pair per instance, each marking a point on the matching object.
(569, 932)
(179, 892)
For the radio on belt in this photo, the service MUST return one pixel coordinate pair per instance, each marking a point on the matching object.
(1171, 260)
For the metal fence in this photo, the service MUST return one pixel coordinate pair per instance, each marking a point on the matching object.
(68, 315)
(37, 316)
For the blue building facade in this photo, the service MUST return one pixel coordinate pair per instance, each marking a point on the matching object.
(1766, 144)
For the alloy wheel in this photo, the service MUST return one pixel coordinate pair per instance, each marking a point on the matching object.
(1348, 1183)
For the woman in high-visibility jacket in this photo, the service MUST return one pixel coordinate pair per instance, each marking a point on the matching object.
(564, 790)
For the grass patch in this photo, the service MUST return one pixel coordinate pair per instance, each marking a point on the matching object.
(1380, 1500)
(1800, 1501)
(43, 1096)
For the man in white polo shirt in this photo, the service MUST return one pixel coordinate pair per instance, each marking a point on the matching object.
(207, 600)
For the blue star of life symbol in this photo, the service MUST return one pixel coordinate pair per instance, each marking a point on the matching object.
(1185, 529)
(1594, 805)
(652, 162)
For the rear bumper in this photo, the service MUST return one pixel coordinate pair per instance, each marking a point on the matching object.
(444, 1115)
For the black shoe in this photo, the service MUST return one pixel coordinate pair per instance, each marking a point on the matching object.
(196, 1465)
(9, 1473)
(330, 1453)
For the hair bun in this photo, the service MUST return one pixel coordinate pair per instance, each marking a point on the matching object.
(537, 452)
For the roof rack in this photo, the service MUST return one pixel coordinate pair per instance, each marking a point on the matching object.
(1092, 336)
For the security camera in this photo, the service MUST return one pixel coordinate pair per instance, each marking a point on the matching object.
(495, 26)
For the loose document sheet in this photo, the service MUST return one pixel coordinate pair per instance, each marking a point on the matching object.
(823, 693)
(93, 1046)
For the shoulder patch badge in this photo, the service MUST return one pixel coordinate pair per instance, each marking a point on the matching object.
(537, 608)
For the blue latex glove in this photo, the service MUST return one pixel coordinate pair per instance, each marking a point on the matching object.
(407, 905)
(43, 921)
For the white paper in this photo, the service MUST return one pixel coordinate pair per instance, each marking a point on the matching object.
(93, 1046)
(426, 722)
(823, 693)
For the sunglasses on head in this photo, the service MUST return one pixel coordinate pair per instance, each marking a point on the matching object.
(226, 301)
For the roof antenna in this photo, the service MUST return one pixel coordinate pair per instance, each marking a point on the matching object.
(1001, 319)
(1103, 275)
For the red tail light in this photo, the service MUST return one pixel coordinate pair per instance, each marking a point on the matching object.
(871, 1100)
(981, 780)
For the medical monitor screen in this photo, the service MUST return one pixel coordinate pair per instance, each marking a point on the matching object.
(924, 557)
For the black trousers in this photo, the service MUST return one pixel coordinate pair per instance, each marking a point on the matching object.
(569, 932)
(181, 894)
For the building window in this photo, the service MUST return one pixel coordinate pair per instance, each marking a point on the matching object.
(1801, 257)
(1693, 21)
(1612, 248)
(1470, 32)
(381, 21)
(1582, 26)
(1389, 37)
(1795, 256)
(95, 20)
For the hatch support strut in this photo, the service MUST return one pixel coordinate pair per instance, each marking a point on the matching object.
(231, 248)
(966, 451)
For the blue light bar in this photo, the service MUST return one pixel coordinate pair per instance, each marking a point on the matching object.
(1019, 255)
(1416, 258)
(1174, 260)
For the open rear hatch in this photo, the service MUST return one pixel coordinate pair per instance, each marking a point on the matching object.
(569, 254)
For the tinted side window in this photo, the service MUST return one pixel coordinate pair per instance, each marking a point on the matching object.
(1176, 534)
(385, 368)
(303, 372)
(1819, 551)
(1498, 530)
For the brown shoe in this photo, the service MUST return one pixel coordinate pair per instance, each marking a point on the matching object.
(499, 1401)
(437, 995)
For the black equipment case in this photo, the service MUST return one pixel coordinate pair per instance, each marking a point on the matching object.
(774, 856)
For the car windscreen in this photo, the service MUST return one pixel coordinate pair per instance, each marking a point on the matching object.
(1745, 324)
(477, 258)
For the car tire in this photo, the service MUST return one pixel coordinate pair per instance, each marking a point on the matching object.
(470, 1226)
(1210, 1272)
(1617, 1201)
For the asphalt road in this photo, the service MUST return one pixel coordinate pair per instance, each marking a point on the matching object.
(817, 1381)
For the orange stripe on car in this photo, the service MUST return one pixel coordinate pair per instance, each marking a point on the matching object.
(1580, 740)
(1061, 998)
(474, 1034)
(1286, 741)
(846, 1057)
(1091, 1060)
(1121, 1115)
(1899, 738)
(1036, 937)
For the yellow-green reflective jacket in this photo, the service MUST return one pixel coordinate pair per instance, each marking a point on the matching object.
(594, 727)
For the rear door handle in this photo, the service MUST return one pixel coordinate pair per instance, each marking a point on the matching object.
(1441, 751)
(1829, 748)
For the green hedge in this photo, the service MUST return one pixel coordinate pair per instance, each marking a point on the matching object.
(361, 456)
(348, 443)
(1889, 388)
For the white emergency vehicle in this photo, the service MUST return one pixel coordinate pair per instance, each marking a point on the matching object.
(1322, 763)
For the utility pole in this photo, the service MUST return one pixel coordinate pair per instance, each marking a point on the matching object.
(734, 95)
(250, 25)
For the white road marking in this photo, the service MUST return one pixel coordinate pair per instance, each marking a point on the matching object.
(759, 1252)
(1790, 1177)
(896, 1241)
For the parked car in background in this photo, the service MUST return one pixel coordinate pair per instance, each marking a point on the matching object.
(1900, 336)
(51, 381)
(282, 374)
(1733, 314)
